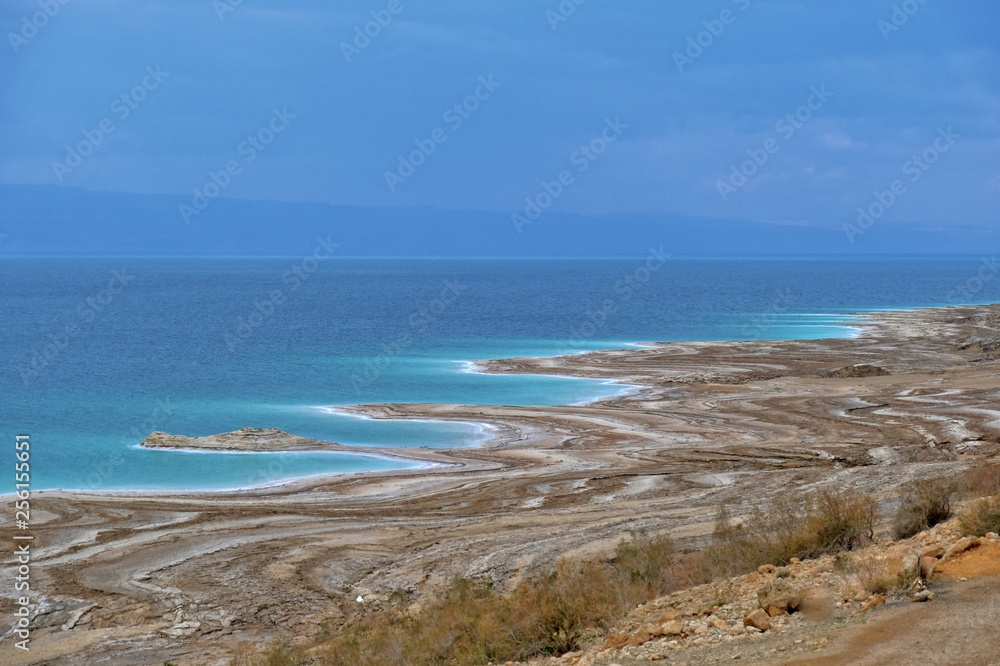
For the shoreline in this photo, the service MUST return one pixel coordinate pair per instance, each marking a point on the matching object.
(492, 430)
(725, 423)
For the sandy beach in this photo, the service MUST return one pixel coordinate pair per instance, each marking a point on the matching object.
(140, 579)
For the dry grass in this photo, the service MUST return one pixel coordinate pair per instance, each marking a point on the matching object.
(923, 504)
(550, 615)
(983, 480)
(982, 517)
(472, 624)
(866, 571)
(829, 522)
(276, 655)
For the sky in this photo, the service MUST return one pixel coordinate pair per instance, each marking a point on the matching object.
(577, 106)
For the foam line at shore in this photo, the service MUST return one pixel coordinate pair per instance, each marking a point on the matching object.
(484, 432)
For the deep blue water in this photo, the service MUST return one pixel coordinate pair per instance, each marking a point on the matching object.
(201, 346)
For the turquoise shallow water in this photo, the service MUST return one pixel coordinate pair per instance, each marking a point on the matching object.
(198, 347)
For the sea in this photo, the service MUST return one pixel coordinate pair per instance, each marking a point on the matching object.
(100, 352)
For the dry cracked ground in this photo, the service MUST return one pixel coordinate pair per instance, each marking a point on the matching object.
(188, 577)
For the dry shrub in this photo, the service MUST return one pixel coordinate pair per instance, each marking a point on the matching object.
(923, 505)
(550, 615)
(982, 517)
(983, 480)
(829, 522)
(874, 574)
(276, 655)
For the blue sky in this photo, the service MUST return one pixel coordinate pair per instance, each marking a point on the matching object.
(554, 87)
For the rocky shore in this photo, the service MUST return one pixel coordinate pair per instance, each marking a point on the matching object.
(188, 577)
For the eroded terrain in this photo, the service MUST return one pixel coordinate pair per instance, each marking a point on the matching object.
(146, 578)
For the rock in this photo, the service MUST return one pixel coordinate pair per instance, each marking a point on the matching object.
(671, 628)
(780, 594)
(774, 611)
(922, 595)
(765, 569)
(182, 629)
(959, 547)
(795, 560)
(935, 551)
(669, 614)
(615, 641)
(757, 619)
(911, 564)
(927, 565)
(642, 636)
(874, 602)
(718, 623)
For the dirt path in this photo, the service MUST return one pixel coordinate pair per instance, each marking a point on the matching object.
(961, 627)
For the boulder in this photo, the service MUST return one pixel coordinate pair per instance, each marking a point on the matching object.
(757, 619)
(960, 546)
(765, 569)
(671, 628)
(615, 641)
(780, 594)
(642, 636)
(669, 614)
(670, 623)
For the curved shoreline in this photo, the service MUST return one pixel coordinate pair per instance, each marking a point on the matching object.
(726, 423)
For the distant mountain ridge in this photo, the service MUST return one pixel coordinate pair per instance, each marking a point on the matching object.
(49, 220)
